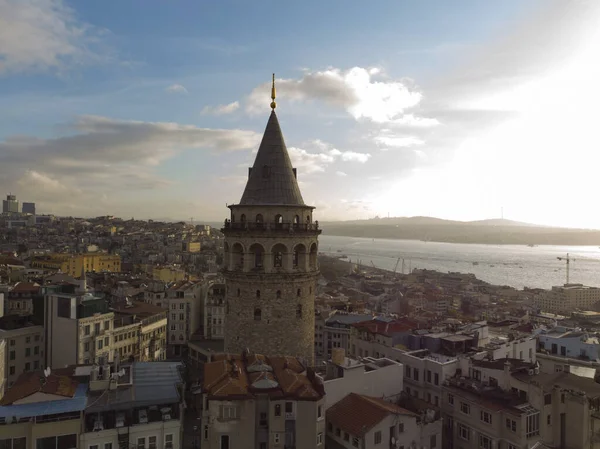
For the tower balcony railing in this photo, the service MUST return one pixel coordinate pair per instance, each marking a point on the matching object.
(271, 227)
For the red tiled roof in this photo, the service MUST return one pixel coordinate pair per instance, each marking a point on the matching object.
(33, 382)
(241, 376)
(357, 414)
(25, 287)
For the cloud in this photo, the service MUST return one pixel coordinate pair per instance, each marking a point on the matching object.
(321, 156)
(176, 88)
(102, 154)
(341, 173)
(356, 90)
(221, 109)
(398, 141)
(38, 35)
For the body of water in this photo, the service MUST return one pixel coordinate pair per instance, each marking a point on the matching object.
(515, 265)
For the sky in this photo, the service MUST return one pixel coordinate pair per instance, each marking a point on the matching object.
(155, 109)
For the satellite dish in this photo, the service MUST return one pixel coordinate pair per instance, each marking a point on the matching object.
(47, 371)
(393, 440)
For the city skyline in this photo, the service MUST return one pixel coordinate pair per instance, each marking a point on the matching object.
(446, 110)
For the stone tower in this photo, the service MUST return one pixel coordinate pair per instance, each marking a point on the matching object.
(270, 257)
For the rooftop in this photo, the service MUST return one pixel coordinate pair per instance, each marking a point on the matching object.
(377, 326)
(35, 382)
(272, 180)
(357, 414)
(247, 375)
(564, 380)
(138, 309)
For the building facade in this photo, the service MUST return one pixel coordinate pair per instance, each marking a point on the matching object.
(73, 264)
(568, 298)
(10, 204)
(251, 401)
(270, 255)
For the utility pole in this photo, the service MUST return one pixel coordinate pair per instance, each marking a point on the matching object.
(568, 261)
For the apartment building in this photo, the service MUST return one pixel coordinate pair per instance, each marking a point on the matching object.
(185, 303)
(74, 264)
(42, 411)
(366, 422)
(139, 331)
(252, 401)
(570, 343)
(19, 300)
(510, 404)
(138, 405)
(568, 298)
(333, 331)
(382, 378)
(24, 347)
(214, 311)
(95, 407)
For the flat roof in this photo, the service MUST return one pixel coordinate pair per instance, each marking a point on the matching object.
(75, 404)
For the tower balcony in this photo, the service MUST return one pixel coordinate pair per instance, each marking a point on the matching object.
(282, 227)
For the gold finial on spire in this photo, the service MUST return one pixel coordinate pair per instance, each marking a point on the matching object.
(273, 104)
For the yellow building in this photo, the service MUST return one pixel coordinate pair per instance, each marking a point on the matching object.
(72, 264)
(167, 274)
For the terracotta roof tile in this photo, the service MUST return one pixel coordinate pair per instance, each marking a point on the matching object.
(244, 376)
(357, 414)
(33, 382)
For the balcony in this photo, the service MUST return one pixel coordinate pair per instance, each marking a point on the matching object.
(285, 227)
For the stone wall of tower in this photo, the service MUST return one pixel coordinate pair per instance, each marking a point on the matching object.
(271, 271)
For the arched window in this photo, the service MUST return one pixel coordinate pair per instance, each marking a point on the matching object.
(172, 336)
(299, 292)
(237, 256)
(257, 314)
(278, 221)
(243, 218)
(258, 293)
(296, 220)
(278, 294)
(257, 255)
(299, 311)
(299, 257)
(259, 218)
(313, 256)
(308, 218)
(278, 252)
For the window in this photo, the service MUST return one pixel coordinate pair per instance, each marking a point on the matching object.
(36, 338)
(96, 328)
(355, 441)
(277, 409)
(106, 325)
(319, 438)
(174, 306)
(258, 293)
(415, 374)
(533, 425)
(36, 364)
(276, 438)
(289, 407)
(169, 438)
(12, 355)
(428, 376)
(107, 445)
(329, 427)
(547, 399)
(407, 371)
(86, 329)
(11, 370)
(36, 350)
(346, 436)
(485, 442)
(278, 294)
(432, 441)
(100, 342)
(106, 341)
(486, 417)
(377, 437)
(278, 259)
(227, 412)
(299, 311)
(401, 427)
(28, 366)
(465, 408)
(94, 446)
(257, 314)
(338, 432)
(27, 352)
(263, 419)
(511, 424)
(13, 443)
(141, 443)
(152, 442)
(464, 432)
(549, 419)
(319, 411)
(436, 378)
(13, 342)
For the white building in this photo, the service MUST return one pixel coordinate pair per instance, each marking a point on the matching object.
(570, 343)
(366, 422)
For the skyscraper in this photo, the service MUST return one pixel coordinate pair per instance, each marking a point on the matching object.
(271, 264)
(10, 204)
(28, 208)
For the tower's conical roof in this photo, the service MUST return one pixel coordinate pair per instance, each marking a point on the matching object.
(272, 180)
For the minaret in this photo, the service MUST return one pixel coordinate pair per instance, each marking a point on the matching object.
(271, 269)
